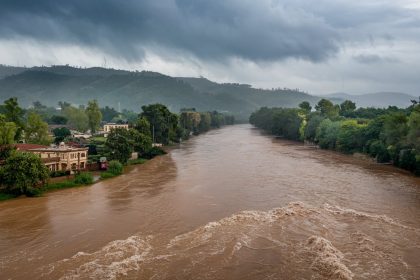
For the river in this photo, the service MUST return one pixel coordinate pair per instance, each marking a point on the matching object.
(229, 204)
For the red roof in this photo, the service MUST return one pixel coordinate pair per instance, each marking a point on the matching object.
(26, 147)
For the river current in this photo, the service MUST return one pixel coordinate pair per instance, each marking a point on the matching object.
(229, 204)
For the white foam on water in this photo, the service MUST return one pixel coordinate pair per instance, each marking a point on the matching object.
(115, 259)
(334, 209)
(235, 239)
(328, 261)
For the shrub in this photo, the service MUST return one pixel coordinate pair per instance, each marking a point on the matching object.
(58, 173)
(61, 185)
(21, 172)
(115, 167)
(34, 191)
(378, 149)
(84, 178)
(155, 151)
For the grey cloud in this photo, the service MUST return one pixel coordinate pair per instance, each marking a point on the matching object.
(374, 58)
(265, 30)
(251, 30)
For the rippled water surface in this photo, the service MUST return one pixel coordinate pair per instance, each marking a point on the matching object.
(229, 204)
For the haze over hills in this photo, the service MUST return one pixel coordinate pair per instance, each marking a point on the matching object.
(377, 99)
(134, 89)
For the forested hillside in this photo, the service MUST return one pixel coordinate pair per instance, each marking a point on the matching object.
(130, 90)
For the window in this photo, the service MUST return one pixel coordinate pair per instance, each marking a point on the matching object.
(83, 155)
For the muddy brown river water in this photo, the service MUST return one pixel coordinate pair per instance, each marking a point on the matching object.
(230, 204)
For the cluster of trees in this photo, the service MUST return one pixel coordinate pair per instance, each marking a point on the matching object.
(388, 135)
(31, 125)
(156, 124)
(193, 122)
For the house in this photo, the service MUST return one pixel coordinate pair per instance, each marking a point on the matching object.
(57, 158)
(110, 126)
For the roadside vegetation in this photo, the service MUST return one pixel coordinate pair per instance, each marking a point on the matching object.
(23, 173)
(389, 135)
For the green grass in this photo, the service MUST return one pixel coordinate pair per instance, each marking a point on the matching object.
(61, 185)
(106, 175)
(137, 161)
(97, 139)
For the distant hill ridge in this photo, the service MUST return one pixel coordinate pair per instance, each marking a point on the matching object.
(132, 89)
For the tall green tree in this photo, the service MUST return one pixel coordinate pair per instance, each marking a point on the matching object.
(23, 173)
(142, 125)
(36, 131)
(305, 106)
(94, 115)
(14, 113)
(350, 137)
(327, 133)
(395, 128)
(7, 131)
(164, 125)
(77, 118)
(60, 134)
(413, 136)
(347, 107)
(327, 108)
(119, 145)
(313, 123)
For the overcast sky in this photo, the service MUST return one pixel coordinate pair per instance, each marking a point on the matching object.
(321, 46)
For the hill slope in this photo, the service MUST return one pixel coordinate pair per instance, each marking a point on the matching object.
(134, 89)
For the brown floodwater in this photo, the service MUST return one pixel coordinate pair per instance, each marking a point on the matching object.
(230, 204)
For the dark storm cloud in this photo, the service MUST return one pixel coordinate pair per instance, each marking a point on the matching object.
(208, 29)
(265, 30)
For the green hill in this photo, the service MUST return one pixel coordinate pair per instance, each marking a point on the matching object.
(134, 89)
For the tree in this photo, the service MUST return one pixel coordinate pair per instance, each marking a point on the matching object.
(94, 115)
(164, 125)
(23, 173)
(395, 128)
(77, 118)
(109, 113)
(60, 134)
(118, 144)
(14, 113)
(287, 123)
(305, 106)
(205, 122)
(142, 125)
(413, 136)
(36, 131)
(190, 120)
(326, 134)
(63, 105)
(350, 136)
(310, 130)
(58, 120)
(7, 131)
(327, 108)
(346, 107)
(140, 142)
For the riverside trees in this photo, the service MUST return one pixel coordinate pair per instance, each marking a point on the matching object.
(388, 135)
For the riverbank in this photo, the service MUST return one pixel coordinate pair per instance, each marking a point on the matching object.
(70, 181)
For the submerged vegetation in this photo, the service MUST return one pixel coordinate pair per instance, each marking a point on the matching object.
(389, 135)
